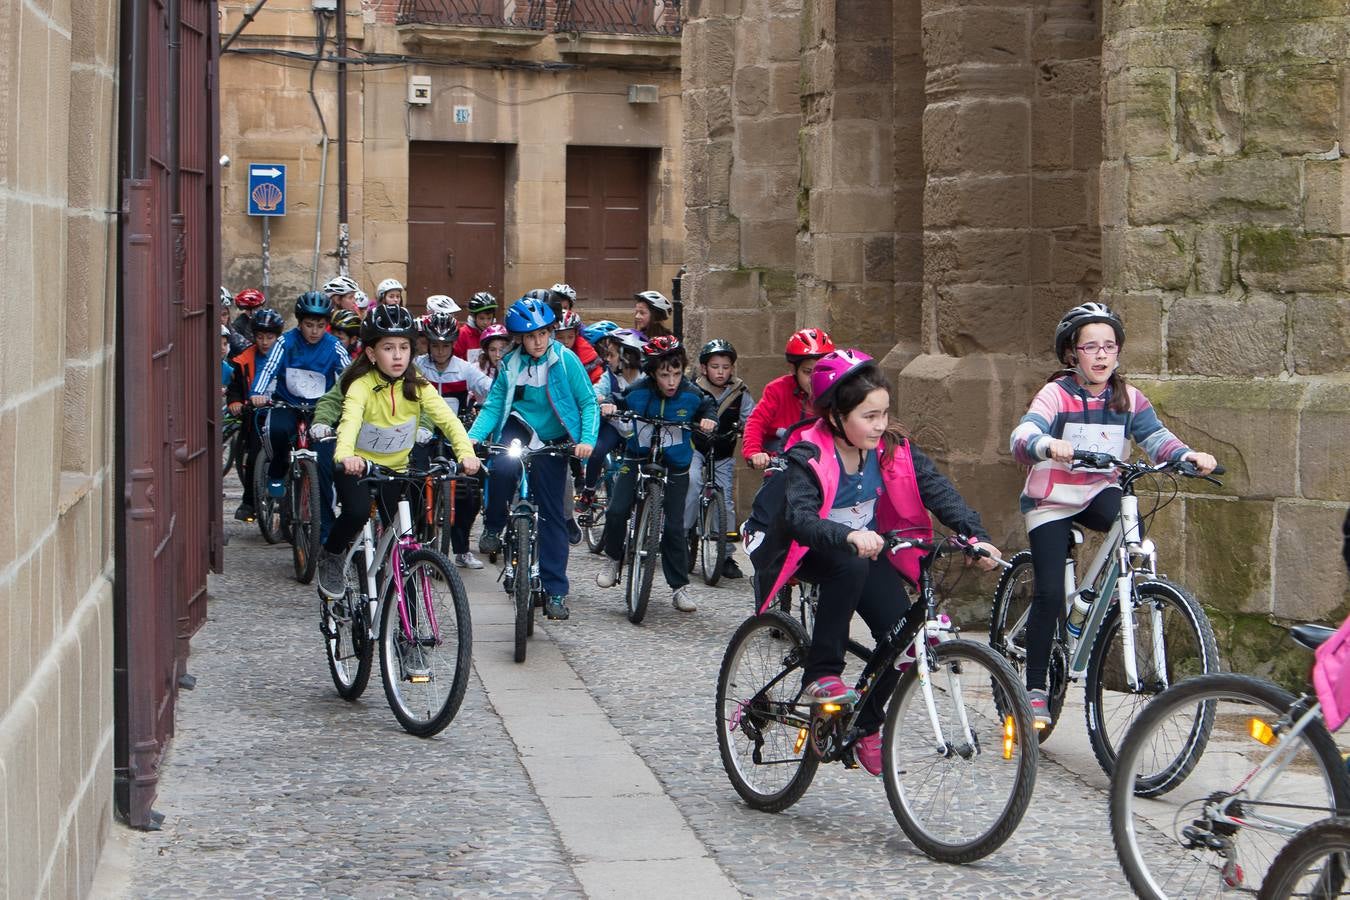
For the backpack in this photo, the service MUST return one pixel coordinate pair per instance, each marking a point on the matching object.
(1331, 676)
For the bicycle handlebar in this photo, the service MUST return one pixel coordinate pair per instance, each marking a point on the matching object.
(625, 415)
(520, 451)
(440, 467)
(896, 541)
(1096, 460)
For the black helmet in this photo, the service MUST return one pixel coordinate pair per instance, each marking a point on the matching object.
(440, 326)
(387, 321)
(268, 320)
(482, 302)
(715, 347)
(1085, 314)
(313, 303)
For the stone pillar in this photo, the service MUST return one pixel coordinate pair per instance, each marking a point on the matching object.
(1225, 215)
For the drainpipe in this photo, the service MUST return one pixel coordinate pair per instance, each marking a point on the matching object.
(318, 219)
(344, 235)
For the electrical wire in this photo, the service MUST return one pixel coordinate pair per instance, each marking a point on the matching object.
(322, 38)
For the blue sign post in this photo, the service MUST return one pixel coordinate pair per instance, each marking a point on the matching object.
(266, 189)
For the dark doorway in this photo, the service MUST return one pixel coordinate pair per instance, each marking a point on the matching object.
(456, 215)
(607, 223)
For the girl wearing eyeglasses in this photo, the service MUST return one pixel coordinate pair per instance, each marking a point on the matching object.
(1086, 405)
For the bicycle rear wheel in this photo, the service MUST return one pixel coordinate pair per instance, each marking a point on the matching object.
(1220, 823)
(229, 442)
(304, 519)
(425, 664)
(712, 544)
(1008, 633)
(1314, 864)
(594, 531)
(760, 726)
(441, 518)
(265, 505)
(345, 627)
(958, 801)
(645, 554)
(520, 584)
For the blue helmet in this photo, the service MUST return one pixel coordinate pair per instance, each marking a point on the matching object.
(528, 314)
(598, 330)
(313, 303)
(268, 320)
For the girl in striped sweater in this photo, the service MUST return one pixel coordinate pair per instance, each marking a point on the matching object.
(1085, 406)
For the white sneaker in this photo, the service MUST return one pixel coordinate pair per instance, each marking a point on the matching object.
(468, 561)
(682, 601)
(609, 575)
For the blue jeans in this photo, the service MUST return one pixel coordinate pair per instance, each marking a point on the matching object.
(549, 477)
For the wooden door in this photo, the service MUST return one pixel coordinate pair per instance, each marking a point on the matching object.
(456, 215)
(607, 223)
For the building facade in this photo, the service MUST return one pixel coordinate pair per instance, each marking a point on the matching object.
(937, 182)
(496, 146)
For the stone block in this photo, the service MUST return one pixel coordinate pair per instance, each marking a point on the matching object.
(1310, 578)
(1142, 314)
(1292, 110)
(1087, 132)
(1059, 200)
(1262, 191)
(981, 318)
(1139, 114)
(1323, 435)
(962, 406)
(727, 289)
(997, 201)
(784, 38)
(982, 136)
(1286, 43)
(1213, 261)
(1052, 139)
(1249, 426)
(879, 259)
(976, 35)
(1069, 77)
(1210, 107)
(767, 142)
(1326, 207)
(1284, 260)
(1228, 553)
(1321, 330)
(785, 88)
(1250, 336)
(856, 211)
(769, 244)
(1147, 259)
(1113, 193)
(860, 156)
(990, 256)
(1172, 47)
(1077, 255)
(751, 89)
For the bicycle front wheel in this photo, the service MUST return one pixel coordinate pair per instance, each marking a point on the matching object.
(645, 554)
(265, 505)
(761, 728)
(520, 585)
(305, 519)
(1221, 822)
(425, 644)
(960, 794)
(1173, 641)
(712, 539)
(1314, 864)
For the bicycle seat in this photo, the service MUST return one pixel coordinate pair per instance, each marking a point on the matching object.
(1311, 636)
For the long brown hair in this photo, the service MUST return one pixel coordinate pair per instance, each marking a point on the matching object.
(849, 395)
(412, 376)
(1120, 395)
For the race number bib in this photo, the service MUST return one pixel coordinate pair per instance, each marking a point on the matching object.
(473, 355)
(387, 438)
(665, 436)
(305, 383)
(1097, 439)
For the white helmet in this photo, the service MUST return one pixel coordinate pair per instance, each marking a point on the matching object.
(384, 287)
(566, 290)
(441, 303)
(362, 301)
(341, 285)
(657, 301)
(226, 301)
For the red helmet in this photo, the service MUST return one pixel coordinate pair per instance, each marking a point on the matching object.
(809, 343)
(249, 298)
(662, 348)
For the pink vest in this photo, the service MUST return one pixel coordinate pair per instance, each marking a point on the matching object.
(900, 508)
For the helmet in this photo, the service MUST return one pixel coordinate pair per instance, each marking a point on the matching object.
(809, 343)
(313, 303)
(660, 349)
(225, 331)
(482, 302)
(384, 287)
(568, 321)
(341, 285)
(714, 347)
(224, 298)
(629, 338)
(598, 331)
(345, 320)
(268, 320)
(387, 321)
(833, 369)
(543, 296)
(528, 314)
(438, 303)
(362, 301)
(440, 326)
(660, 306)
(249, 298)
(564, 290)
(491, 333)
(1085, 314)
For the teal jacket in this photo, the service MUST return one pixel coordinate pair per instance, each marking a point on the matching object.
(568, 387)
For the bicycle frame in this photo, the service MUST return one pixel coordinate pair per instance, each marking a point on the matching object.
(392, 545)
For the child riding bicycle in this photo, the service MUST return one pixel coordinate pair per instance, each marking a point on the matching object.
(786, 400)
(266, 328)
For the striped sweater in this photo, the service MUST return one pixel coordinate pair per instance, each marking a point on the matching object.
(1055, 491)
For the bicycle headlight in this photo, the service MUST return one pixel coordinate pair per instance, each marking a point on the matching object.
(514, 450)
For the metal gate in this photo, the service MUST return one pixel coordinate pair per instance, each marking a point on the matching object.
(168, 363)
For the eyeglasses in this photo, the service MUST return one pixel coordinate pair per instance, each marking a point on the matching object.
(1110, 348)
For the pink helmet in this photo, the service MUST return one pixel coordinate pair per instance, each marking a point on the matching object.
(493, 332)
(832, 369)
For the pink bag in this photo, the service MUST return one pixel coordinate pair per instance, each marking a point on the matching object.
(1331, 676)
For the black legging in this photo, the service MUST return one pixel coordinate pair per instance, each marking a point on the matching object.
(1049, 544)
(848, 584)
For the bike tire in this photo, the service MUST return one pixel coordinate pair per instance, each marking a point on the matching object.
(594, 533)
(1143, 848)
(1011, 597)
(347, 645)
(743, 720)
(230, 452)
(713, 551)
(266, 507)
(1327, 838)
(520, 584)
(441, 517)
(425, 709)
(305, 519)
(1107, 719)
(1005, 697)
(646, 555)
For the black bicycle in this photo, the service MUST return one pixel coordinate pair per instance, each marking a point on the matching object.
(711, 527)
(277, 517)
(959, 756)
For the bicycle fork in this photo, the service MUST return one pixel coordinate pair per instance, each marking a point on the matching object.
(965, 745)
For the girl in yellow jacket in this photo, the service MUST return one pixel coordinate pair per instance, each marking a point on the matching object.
(384, 397)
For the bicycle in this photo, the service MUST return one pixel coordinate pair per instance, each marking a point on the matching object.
(711, 525)
(520, 562)
(592, 519)
(1165, 638)
(231, 442)
(1315, 863)
(1215, 819)
(274, 515)
(416, 597)
(439, 499)
(963, 732)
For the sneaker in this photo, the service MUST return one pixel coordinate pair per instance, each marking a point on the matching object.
(731, 570)
(682, 601)
(573, 532)
(468, 561)
(1040, 708)
(332, 579)
(609, 575)
(868, 753)
(489, 541)
(829, 689)
(555, 607)
(244, 512)
(276, 489)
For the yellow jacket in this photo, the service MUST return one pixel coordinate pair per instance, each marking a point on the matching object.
(380, 424)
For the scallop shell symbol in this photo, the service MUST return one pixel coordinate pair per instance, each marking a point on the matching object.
(267, 195)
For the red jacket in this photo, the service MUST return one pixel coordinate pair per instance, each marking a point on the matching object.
(595, 366)
(780, 407)
(466, 341)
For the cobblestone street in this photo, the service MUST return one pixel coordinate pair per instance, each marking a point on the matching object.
(543, 784)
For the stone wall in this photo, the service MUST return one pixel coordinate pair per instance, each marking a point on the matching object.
(58, 136)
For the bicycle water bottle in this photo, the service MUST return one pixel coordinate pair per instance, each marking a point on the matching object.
(1082, 604)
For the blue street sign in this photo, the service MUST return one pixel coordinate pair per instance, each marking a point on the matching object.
(266, 189)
